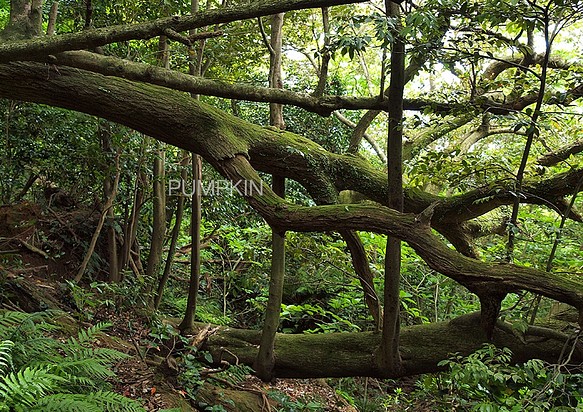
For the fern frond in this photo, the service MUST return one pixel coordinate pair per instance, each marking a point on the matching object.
(66, 402)
(101, 401)
(89, 362)
(104, 355)
(109, 355)
(40, 348)
(114, 402)
(28, 385)
(88, 335)
(87, 367)
(19, 325)
(9, 320)
(5, 355)
(12, 317)
(50, 370)
(61, 369)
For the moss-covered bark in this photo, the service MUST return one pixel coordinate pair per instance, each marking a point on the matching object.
(42, 47)
(351, 354)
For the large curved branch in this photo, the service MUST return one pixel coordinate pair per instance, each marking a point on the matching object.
(414, 229)
(496, 68)
(286, 155)
(228, 143)
(324, 105)
(88, 39)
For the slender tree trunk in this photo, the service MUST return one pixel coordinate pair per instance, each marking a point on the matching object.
(158, 219)
(389, 357)
(265, 360)
(365, 275)
(52, 18)
(188, 321)
(163, 58)
(159, 223)
(105, 135)
(163, 54)
(323, 75)
(106, 207)
(196, 215)
(131, 226)
(531, 132)
(175, 231)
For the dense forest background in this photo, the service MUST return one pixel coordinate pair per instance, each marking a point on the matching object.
(415, 244)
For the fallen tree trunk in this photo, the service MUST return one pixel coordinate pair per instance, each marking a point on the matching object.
(351, 354)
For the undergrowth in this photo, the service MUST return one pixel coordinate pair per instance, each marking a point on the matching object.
(39, 372)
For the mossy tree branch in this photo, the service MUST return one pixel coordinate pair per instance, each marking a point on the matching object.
(237, 149)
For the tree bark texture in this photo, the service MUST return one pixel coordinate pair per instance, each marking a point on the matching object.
(351, 354)
(265, 357)
(388, 354)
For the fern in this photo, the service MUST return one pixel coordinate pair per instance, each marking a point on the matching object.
(66, 402)
(89, 334)
(11, 319)
(235, 374)
(5, 355)
(102, 401)
(28, 385)
(44, 374)
(14, 323)
(114, 402)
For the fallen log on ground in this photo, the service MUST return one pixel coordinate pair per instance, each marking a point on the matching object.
(422, 348)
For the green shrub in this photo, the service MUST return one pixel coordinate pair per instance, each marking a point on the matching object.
(487, 380)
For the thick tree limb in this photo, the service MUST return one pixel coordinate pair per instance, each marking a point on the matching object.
(324, 105)
(293, 157)
(497, 67)
(89, 39)
(226, 142)
(475, 275)
(552, 158)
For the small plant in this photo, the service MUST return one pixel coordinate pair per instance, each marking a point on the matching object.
(101, 297)
(286, 404)
(190, 360)
(486, 380)
(189, 378)
(234, 374)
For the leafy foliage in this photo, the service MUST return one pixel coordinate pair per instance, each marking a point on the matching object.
(487, 380)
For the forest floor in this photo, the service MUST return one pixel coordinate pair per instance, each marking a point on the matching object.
(34, 267)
